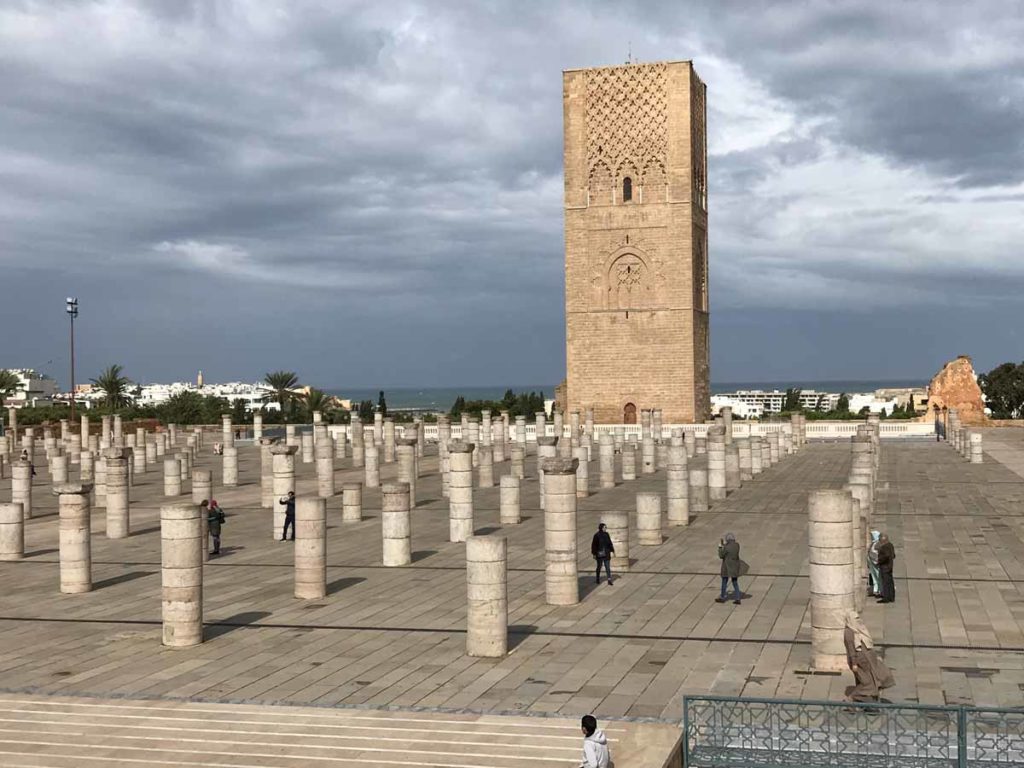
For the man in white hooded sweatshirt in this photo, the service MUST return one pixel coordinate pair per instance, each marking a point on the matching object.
(595, 745)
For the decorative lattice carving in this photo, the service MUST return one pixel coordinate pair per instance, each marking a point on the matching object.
(626, 125)
(700, 154)
(628, 282)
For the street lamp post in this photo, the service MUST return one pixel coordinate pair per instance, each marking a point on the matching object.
(71, 307)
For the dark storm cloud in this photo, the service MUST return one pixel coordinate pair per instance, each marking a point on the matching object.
(371, 192)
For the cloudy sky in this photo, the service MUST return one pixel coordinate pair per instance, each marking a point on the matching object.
(370, 193)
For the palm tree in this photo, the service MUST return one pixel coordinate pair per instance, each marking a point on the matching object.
(282, 382)
(316, 400)
(114, 387)
(9, 384)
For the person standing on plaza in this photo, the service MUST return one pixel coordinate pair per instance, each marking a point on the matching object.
(215, 519)
(886, 558)
(869, 671)
(729, 554)
(595, 745)
(289, 514)
(874, 578)
(602, 549)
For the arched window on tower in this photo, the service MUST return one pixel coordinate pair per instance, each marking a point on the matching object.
(627, 189)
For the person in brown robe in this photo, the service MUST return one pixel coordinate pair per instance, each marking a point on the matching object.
(868, 670)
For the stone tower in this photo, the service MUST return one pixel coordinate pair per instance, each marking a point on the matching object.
(636, 269)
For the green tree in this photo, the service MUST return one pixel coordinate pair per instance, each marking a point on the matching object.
(114, 387)
(792, 401)
(843, 404)
(1003, 388)
(9, 384)
(382, 404)
(316, 400)
(282, 382)
(366, 411)
(239, 415)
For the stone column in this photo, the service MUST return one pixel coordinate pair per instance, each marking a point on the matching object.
(857, 544)
(697, 476)
(202, 486)
(324, 468)
(149, 451)
(716, 464)
(690, 441)
(12, 531)
(257, 427)
(161, 446)
(976, 451)
(647, 452)
(701, 445)
(460, 491)
(582, 473)
(657, 428)
(628, 457)
(117, 439)
(351, 502)
(59, 468)
(378, 428)
(371, 466)
(756, 453)
(306, 444)
(745, 458)
(830, 516)
(230, 466)
(227, 434)
(267, 499)
(99, 472)
(283, 463)
(648, 519)
(181, 542)
(21, 485)
(405, 452)
(395, 523)
(172, 476)
(518, 469)
(547, 447)
(766, 454)
(485, 470)
(732, 467)
(645, 424)
(726, 414)
(786, 440)
(340, 444)
(561, 577)
(773, 447)
(172, 431)
(521, 432)
(118, 520)
(540, 419)
(509, 512)
(310, 548)
(617, 524)
(358, 448)
(498, 441)
(678, 491)
(487, 596)
(473, 430)
(606, 459)
(389, 441)
(794, 425)
(74, 535)
(290, 436)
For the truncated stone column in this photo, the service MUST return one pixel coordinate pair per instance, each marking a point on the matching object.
(267, 499)
(690, 441)
(283, 457)
(202, 486)
(358, 449)
(487, 596)
(732, 467)
(701, 442)
(716, 464)
(290, 436)
(509, 510)
(485, 469)
(606, 459)
(405, 452)
(773, 447)
(172, 476)
(786, 440)
(521, 432)
(310, 548)
(150, 451)
(830, 534)
(647, 450)
(306, 444)
(582, 473)
(12, 531)
(628, 462)
(498, 441)
(745, 458)
(21, 485)
(351, 502)
(977, 456)
(648, 519)
(59, 468)
(460, 491)
(518, 468)
(74, 535)
(678, 484)
(766, 454)
(389, 441)
(99, 472)
(858, 543)
(227, 434)
(230, 463)
(324, 468)
(473, 430)
(118, 521)
(697, 475)
(181, 541)
(756, 453)
(726, 413)
(396, 525)
(371, 470)
(257, 427)
(378, 428)
(561, 576)
(139, 463)
(547, 448)
(617, 524)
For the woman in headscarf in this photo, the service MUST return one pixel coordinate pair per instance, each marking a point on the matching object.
(875, 583)
(868, 670)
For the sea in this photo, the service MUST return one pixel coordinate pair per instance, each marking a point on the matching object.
(442, 398)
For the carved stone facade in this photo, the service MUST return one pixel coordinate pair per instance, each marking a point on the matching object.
(636, 286)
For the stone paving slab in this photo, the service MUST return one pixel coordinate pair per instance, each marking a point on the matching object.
(394, 637)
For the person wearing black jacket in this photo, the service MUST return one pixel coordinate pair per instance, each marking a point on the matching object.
(886, 558)
(602, 549)
(289, 514)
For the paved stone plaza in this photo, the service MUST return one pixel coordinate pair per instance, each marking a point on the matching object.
(395, 637)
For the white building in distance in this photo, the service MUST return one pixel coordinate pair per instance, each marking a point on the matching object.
(36, 388)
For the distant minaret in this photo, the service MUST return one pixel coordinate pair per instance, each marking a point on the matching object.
(199, 379)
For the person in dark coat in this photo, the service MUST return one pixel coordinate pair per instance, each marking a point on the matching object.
(289, 514)
(602, 549)
(886, 558)
(729, 554)
(870, 672)
(215, 519)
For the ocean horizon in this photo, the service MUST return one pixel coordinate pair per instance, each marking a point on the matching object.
(442, 398)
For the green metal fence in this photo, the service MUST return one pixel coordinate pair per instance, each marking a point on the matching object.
(725, 732)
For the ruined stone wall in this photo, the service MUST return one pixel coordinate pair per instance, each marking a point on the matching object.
(955, 386)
